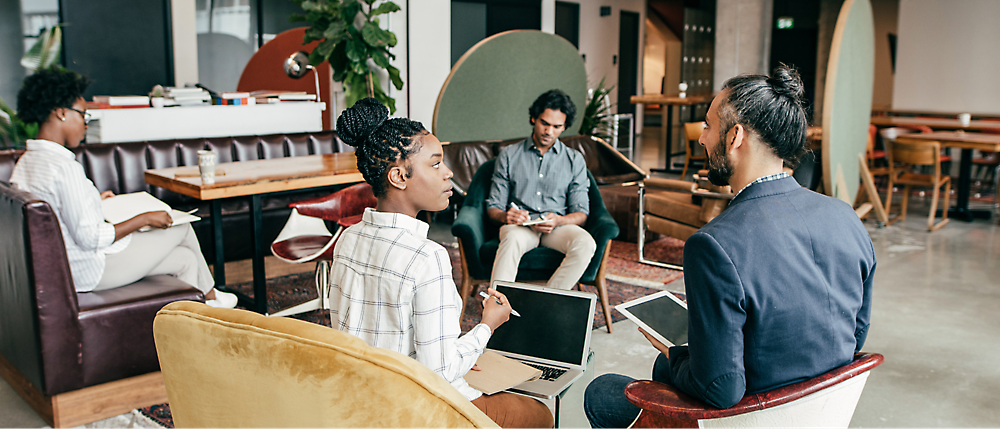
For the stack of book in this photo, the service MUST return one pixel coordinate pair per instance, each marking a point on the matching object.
(118, 101)
(270, 97)
(233, 99)
(186, 96)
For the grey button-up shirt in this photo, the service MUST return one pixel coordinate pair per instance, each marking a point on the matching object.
(556, 182)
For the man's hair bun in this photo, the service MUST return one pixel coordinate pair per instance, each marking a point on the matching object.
(360, 121)
(787, 82)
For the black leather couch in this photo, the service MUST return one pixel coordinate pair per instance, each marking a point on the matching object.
(120, 167)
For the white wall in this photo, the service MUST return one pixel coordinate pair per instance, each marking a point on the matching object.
(430, 57)
(185, 41)
(947, 56)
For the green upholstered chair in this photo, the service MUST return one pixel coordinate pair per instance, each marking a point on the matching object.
(479, 239)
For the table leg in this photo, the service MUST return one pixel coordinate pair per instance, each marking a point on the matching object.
(259, 277)
(961, 210)
(220, 260)
(557, 412)
(666, 137)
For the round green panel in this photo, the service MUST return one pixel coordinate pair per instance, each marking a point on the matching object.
(489, 90)
(847, 104)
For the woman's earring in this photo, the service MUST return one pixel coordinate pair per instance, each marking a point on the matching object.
(63, 119)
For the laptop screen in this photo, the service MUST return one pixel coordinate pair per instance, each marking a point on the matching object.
(552, 326)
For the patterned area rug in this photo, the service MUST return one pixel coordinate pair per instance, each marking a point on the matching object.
(627, 279)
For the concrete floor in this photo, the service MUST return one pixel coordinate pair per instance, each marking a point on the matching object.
(934, 318)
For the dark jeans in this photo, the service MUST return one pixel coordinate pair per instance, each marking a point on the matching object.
(605, 403)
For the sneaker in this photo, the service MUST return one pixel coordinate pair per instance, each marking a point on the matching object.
(222, 300)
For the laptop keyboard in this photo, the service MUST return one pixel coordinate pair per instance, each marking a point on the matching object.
(548, 373)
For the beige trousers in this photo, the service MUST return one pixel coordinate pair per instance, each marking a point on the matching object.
(573, 240)
(174, 251)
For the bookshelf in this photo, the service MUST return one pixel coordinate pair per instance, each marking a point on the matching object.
(128, 125)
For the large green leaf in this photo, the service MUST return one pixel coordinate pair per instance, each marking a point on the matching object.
(377, 37)
(394, 77)
(380, 59)
(384, 8)
(356, 51)
(336, 31)
(45, 51)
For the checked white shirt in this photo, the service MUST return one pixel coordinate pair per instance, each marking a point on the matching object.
(392, 287)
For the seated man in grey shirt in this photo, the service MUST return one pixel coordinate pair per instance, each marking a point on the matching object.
(542, 178)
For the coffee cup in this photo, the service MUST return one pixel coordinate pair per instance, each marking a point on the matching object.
(965, 119)
(206, 166)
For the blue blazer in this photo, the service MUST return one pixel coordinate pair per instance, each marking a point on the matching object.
(778, 289)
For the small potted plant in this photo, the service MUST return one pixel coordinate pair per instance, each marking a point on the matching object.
(156, 96)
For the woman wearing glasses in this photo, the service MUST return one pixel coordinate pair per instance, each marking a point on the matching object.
(101, 255)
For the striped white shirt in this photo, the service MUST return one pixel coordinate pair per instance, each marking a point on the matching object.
(50, 172)
(392, 287)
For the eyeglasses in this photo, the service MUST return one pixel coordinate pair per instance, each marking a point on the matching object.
(85, 114)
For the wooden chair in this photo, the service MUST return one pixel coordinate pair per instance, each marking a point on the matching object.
(305, 237)
(677, 208)
(909, 153)
(827, 400)
(692, 132)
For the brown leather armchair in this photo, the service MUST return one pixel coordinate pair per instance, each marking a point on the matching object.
(74, 357)
(827, 400)
(677, 208)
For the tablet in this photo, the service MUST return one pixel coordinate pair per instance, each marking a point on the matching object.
(661, 314)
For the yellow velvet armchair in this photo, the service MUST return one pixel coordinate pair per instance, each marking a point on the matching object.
(236, 368)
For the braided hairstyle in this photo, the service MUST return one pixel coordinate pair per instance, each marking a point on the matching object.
(379, 142)
(47, 90)
(770, 106)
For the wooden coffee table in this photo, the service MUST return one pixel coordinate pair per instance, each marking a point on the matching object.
(253, 179)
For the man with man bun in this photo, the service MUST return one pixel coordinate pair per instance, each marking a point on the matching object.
(779, 285)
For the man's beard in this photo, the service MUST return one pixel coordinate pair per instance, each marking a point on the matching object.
(719, 167)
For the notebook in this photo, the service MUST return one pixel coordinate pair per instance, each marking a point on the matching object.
(552, 334)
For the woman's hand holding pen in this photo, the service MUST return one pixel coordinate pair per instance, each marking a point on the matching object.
(495, 311)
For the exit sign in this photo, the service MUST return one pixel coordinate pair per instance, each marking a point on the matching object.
(786, 22)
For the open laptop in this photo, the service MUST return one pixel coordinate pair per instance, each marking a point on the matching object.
(552, 334)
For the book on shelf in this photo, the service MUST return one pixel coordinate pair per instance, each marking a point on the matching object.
(123, 207)
(273, 96)
(103, 106)
(234, 95)
(122, 100)
(246, 101)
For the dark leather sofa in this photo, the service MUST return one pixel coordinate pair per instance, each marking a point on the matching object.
(56, 343)
(120, 167)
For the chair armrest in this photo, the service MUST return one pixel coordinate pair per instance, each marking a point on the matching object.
(602, 226)
(470, 228)
(670, 184)
(669, 401)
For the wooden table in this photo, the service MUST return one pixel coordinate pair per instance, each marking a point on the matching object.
(666, 115)
(934, 123)
(254, 179)
(967, 142)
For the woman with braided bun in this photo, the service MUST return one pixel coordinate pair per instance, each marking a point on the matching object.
(390, 285)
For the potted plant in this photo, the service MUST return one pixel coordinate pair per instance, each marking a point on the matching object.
(43, 54)
(353, 43)
(596, 114)
(156, 96)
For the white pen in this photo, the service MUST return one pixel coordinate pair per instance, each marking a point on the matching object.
(514, 206)
(487, 296)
